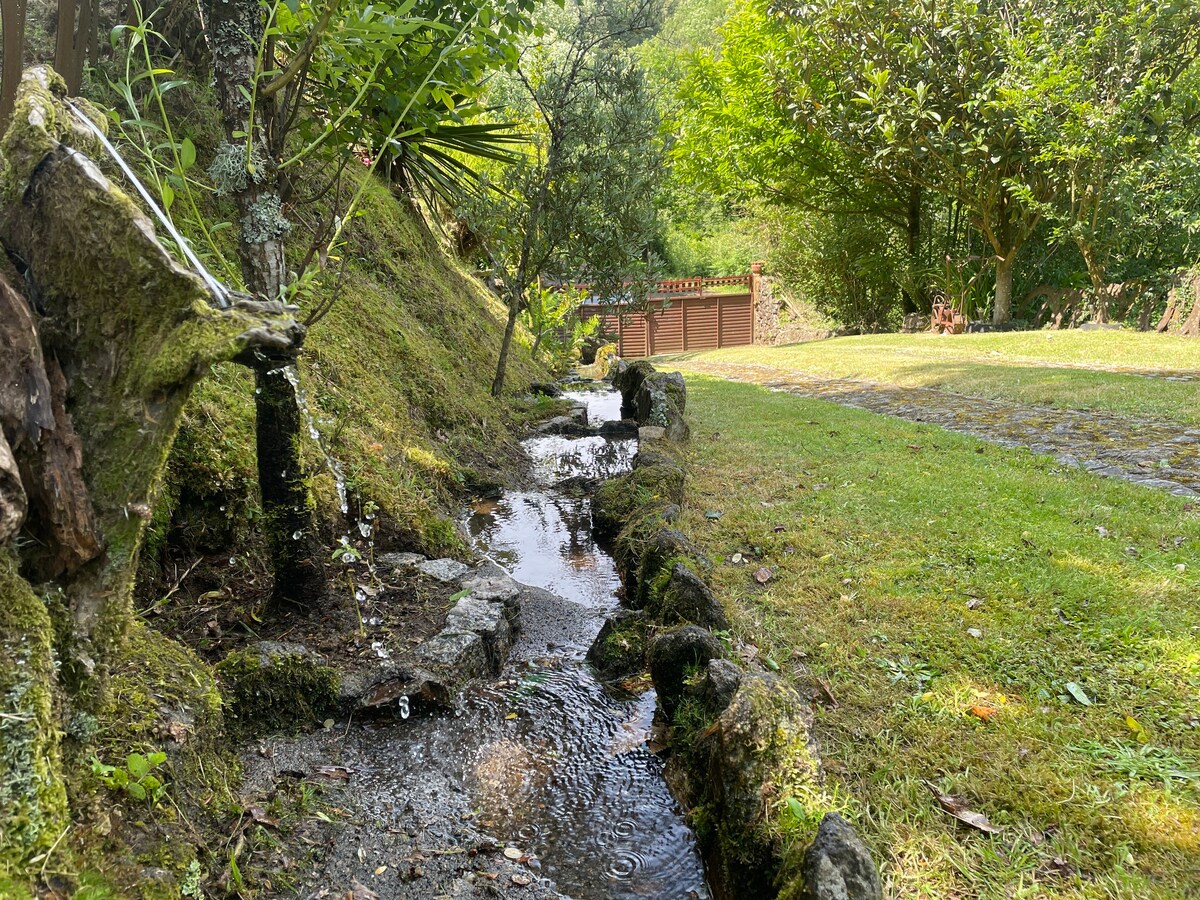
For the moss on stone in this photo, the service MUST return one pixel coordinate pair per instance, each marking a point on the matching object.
(275, 689)
(33, 803)
(163, 697)
(619, 500)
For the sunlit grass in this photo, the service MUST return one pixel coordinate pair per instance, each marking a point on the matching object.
(923, 584)
(1038, 368)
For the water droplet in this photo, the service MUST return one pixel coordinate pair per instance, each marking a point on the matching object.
(402, 703)
(233, 560)
(297, 534)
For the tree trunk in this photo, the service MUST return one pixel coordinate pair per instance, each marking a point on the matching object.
(90, 401)
(514, 310)
(1002, 310)
(287, 511)
(1096, 276)
(914, 300)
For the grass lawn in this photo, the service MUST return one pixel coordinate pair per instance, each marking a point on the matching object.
(1012, 632)
(1071, 369)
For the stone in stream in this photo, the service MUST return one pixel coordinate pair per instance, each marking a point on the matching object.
(674, 655)
(620, 647)
(457, 656)
(446, 570)
(838, 865)
(498, 589)
(489, 621)
(721, 680)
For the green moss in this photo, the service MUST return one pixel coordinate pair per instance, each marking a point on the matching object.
(275, 691)
(397, 375)
(163, 697)
(33, 805)
(622, 650)
(619, 500)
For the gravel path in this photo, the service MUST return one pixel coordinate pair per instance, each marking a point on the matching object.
(1156, 454)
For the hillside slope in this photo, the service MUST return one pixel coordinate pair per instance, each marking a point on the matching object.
(397, 380)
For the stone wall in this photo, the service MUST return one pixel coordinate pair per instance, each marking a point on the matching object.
(742, 757)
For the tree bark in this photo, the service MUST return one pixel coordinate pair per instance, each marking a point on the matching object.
(1002, 310)
(291, 532)
(514, 310)
(914, 300)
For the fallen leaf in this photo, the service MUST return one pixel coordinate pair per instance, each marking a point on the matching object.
(513, 853)
(778, 529)
(762, 575)
(511, 716)
(1102, 531)
(1078, 693)
(958, 808)
(975, 632)
(259, 815)
(736, 559)
(520, 879)
(381, 870)
(712, 515)
(830, 700)
(361, 891)
(1138, 731)
(983, 713)
(974, 603)
(338, 773)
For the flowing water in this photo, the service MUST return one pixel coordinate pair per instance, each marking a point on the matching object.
(552, 760)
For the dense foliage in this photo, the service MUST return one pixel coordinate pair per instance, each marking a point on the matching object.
(965, 136)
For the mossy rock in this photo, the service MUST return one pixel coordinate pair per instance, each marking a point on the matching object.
(619, 500)
(679, 594)
(759, 748)
(628, 378)
(271, 687)
(33, 803)
(648, 557)
(162, 696)
(620, 648)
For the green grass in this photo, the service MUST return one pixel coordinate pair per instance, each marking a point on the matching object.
(894, 545)
(1069, 369)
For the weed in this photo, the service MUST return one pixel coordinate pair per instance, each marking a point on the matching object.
(136, 778)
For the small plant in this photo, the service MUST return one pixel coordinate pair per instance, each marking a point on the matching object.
(136, 778)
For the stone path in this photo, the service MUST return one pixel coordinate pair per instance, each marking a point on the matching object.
(1156, 454)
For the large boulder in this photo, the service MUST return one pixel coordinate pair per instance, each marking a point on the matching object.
(648, 554)
(619, 500)
(628, 378)
(676, 657)
(838, 866)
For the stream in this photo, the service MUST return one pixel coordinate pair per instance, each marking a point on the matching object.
(547, 758)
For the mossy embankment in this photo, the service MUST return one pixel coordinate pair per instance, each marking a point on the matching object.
(396, 376)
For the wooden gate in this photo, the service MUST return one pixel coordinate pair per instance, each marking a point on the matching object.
(680, 316)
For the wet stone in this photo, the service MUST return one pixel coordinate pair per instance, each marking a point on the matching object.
(459, 655)
(443, 569)
(838, 865)
(486, 619)
(498, 589)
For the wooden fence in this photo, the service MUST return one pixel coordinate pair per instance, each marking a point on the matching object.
(77, 39)
(682, 315)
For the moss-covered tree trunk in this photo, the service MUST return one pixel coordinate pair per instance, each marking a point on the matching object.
(300, 580)
(109, 336)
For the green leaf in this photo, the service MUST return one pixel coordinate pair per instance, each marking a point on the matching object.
(796, 808)
(157, 758)
(1078, 693)
(137, 765)
(136, 791)
(187, 154)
